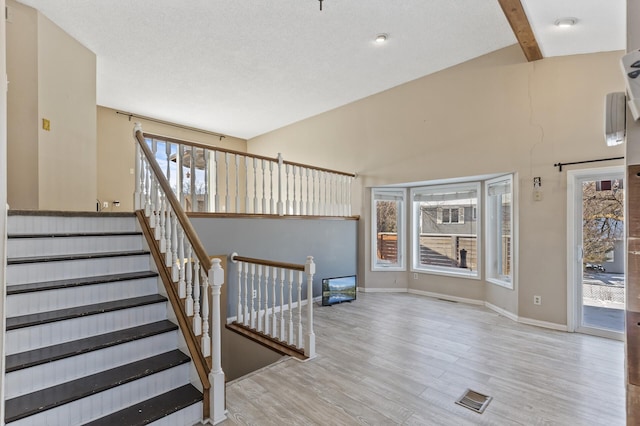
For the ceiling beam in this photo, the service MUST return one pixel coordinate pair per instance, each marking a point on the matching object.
(520, 25)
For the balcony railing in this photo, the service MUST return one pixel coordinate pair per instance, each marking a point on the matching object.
(216, 180)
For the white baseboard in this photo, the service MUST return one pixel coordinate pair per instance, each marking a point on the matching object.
(446, 297)
(381, 290)
(503, 312)
(543, 324)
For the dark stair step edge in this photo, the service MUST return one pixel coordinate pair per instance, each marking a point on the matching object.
(84, 256)
(75, 234)
(29, 320)
(45, 399)
(76, 282)
(19, 361)
(152, 409)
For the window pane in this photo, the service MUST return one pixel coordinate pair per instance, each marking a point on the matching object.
(499, 231)
(387, 231)
(446, 237)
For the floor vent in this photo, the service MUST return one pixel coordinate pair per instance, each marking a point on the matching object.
(474, 401)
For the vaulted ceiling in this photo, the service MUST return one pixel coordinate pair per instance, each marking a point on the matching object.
(246, 67)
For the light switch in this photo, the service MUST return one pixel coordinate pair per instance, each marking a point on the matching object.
(46, 124)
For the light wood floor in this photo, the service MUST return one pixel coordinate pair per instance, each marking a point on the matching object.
(390, 359)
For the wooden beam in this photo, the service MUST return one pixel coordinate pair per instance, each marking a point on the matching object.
(521, 28)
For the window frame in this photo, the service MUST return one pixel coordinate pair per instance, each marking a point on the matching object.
(401, 263)
(415, 234)
(492, 275)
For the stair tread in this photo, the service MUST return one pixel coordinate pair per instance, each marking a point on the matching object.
(74, 282)
(35, 402)
(81, 311)
(47, 354)
(152, 409)
(75, 234)
(83, 256)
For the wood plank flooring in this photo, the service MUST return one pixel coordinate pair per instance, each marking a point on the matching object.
(401, 359)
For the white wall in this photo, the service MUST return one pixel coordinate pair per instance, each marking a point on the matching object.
(497, 113)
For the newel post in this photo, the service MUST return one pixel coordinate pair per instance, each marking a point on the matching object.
(310, 337)
(137, 196)
(280, 205)
(216, 375)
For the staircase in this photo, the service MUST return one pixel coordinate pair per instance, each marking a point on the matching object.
(88, 340)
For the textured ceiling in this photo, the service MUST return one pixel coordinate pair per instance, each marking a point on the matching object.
(246, 67)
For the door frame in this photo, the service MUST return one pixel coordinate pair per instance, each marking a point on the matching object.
(574, 248)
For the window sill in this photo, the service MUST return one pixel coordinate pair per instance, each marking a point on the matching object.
(449, 273)
(501, 283)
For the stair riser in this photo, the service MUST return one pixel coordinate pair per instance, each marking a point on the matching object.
(52, 300)
(59, 224)
(49, 271)
(190, 415)
(29, 338)
(103, 403)
(23, 247)
(46, 375)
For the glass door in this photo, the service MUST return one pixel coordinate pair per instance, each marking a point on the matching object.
(599, 224)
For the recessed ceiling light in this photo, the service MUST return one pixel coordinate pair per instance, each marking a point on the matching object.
(566, 22)
(381, 38)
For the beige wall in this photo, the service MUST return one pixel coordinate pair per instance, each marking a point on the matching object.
(67, 97)
(52, 76)
(494, 114)
(22, 107)
(3, 199)
(116, 153)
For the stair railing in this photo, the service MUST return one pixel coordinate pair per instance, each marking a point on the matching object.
(196, 279)
(216, 180)
(270, 301)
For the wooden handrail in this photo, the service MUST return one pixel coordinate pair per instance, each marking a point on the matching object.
(244, 154)
(190, 233)
(293, 266)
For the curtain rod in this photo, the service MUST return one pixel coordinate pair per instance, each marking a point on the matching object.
(193, 129)
(560, 165)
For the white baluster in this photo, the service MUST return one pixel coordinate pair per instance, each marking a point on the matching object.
(247, 298)
(295, 201)
(308, 210)
(153, 219)
(274, 323)
(168, 229)
(280, 205)
(310, 337)
(298, 342)
(239, 311)
(314, 203)
(348, 203)
(259, 294)
(289, 208)
(237, 184)
(160, 235)
(217, 176)
(147, 189)
(281, 335)
(205, 340)
(194, 198)
(175, 271)
(339, 187)
(227, 199)
(253, 307)
(264, 200)
(197, 319)
(255, 186)
(290, 339)
(272, 201)
(189, 300)
(266, 300)
(246, 185)
(182, 285)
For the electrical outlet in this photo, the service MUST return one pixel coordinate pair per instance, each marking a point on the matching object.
(415, 275)
(255, 293)
(105, 204)
(537, 300)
